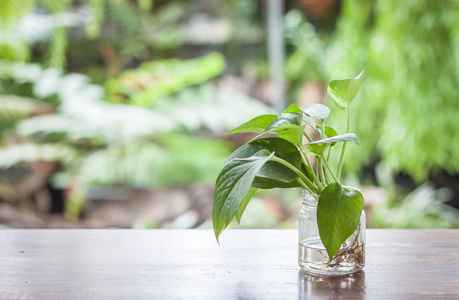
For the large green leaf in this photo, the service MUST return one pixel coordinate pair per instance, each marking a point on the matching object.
(257, 124)
(344, 91)
(316, 110)
(244, 203)
(283, 122)
(338, 215)
(275, 175)
(270, 176)
(282, 148)
(317, 147)
(232, 186)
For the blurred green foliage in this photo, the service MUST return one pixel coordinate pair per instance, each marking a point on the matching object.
(424, 208)
(170, 160)
(97, 143)
(13, 40)
(409, 52)
(153, 80)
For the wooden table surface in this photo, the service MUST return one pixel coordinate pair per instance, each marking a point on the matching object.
(189, 264)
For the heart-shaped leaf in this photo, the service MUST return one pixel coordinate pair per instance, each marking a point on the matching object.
(258, 124)
(344, 91)
(316, 110)
(281, 123)
(338, 215)
(232, 186)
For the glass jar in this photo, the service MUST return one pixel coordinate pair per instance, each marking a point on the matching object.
(312, 255)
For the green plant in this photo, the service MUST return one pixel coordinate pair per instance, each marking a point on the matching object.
(282, 162)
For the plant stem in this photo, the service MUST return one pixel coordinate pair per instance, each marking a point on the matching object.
(327, 181)
(307, 136)
(340, 166)
(331, 171)
(299, 173)
(322, 130)
(321, 169)
(308, 163)
(328, 159)
(317, 167)
(305, 186)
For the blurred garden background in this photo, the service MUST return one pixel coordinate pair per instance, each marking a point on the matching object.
(112, 112)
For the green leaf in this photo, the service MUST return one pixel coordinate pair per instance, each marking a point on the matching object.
(344, 91)
(338, 215)
(310, 121)
(309, 113)
(313, 149)
(329, 132)
(281, 123)
(308, 172)
(244, 203)
(257, 124)
(232, 186)
(347, 137)
(317, 147)
(316, 110)
(285, 119)
(272, 174)
(293, 134)
(275, 175)
(293, 108)
(282, 148)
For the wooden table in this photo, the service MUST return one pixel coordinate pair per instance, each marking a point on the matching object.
(189, 264)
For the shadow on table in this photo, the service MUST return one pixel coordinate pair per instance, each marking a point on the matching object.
(321, 287)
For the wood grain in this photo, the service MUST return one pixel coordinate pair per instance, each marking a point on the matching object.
(189, 264)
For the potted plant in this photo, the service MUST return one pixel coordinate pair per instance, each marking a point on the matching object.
(332, 221)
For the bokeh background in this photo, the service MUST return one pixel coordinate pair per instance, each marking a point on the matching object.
(112, 112)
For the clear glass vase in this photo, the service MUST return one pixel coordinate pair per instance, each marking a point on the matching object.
(312, 255)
